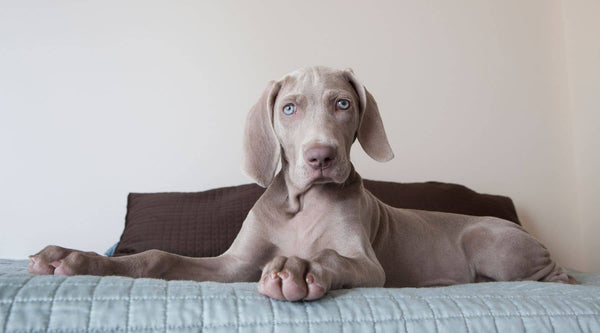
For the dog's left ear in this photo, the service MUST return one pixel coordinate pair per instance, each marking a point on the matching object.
(261, 148)
(371, 133)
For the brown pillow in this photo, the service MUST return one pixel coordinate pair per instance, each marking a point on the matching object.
(204, 224)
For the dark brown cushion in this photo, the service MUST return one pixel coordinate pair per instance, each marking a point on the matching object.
(443, 197)
(204, 224)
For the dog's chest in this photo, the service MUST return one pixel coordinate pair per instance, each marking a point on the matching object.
(303, 233)
(310, 230)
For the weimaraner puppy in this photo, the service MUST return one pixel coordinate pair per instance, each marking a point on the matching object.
(316, 228)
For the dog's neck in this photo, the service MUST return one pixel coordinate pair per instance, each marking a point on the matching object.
(294, 196)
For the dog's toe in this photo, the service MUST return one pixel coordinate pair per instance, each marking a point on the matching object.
(38, 266)
(61, 268)
(315, 289)
(270, 285)
(293, 286)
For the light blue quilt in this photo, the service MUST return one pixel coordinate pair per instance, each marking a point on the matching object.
(90, 303)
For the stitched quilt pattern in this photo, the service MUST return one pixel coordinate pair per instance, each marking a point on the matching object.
(90, 303)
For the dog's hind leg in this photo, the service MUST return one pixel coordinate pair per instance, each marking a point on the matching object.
(499, 250)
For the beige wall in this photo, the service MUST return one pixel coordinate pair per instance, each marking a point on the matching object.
(582, 31)
(99, 99)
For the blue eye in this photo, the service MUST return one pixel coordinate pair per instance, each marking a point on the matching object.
(289, 109)
(343, 104)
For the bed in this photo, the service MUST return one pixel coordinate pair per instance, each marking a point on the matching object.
(203, 224)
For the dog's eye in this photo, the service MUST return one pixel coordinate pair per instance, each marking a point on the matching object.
(343, 104)
(289, 109)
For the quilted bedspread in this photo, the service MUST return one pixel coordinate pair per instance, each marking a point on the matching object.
(90, 303)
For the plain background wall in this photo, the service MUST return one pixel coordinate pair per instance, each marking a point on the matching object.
(99, 99)
(582, 28)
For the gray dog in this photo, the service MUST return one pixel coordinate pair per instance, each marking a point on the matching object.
(316, 228)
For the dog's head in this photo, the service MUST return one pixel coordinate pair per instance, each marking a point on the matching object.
(310, 118)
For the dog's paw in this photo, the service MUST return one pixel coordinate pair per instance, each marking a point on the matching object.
(294, 279)
(60, 261)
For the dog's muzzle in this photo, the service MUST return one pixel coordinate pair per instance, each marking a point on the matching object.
(320, 157)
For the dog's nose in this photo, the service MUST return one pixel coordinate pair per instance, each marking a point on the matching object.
(320, 156)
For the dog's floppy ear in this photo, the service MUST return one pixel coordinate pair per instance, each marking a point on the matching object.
(261, 147)
(371, 133)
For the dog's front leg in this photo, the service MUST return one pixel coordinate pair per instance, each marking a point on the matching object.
(241, 262)
(294, 278)
(152, 264)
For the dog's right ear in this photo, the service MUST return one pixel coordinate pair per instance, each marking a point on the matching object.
(261, 147)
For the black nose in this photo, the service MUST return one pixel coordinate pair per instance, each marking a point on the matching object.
(320, 156)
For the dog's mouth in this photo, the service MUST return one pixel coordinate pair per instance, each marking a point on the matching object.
(321, 180)
(326, 175)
